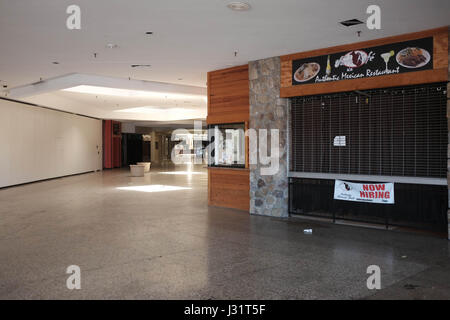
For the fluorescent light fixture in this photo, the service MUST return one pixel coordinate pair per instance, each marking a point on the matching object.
(128, 93)
(153, 188)
(152, 109)
(182, 172)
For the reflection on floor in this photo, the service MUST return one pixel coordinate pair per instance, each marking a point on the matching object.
(171, 245)
(180, 172)
(152, 188)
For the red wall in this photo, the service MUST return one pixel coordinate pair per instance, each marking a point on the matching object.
(107, 144)
(112, 145)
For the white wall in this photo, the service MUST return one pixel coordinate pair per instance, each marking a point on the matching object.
(37, 143)
(128, 127)
(155, 154)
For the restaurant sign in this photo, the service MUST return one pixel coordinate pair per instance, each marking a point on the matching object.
(395, 58)
(364, 192)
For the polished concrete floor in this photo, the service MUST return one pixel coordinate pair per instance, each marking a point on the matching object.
(136, 238)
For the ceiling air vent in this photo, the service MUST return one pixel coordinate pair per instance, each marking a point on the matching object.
(351, 22)
(140, 65)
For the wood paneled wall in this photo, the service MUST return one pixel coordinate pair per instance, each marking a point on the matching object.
(228, 102)
(437, 74)
(229, 188)
(228, 95)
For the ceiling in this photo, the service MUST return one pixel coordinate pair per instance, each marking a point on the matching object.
(189, 39)
(116, 98)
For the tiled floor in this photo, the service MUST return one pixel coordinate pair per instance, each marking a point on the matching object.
(171, 245)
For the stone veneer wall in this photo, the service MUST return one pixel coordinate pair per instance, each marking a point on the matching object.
(268, 194)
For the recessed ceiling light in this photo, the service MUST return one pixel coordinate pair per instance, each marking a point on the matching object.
(238, 6)
(112, 46)
(351, 22)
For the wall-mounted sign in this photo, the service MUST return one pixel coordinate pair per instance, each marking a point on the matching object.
(395, 58)
(364, 192)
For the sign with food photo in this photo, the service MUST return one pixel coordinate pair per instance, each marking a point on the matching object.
(394, 58)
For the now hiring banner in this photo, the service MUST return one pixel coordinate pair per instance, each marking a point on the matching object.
(364, 192)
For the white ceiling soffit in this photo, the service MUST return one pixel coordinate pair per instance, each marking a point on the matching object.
(116, 98)
(77, 79)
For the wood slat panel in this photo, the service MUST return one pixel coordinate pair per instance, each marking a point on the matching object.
(228, 78)
(237, 104)
(223, 87)
(228, 109)
(228, 102)
(229, 188)
(440, 51)
(239, 90)
(217, 100)
(286, 73)
(229, 117)
(228, 95)
(230, 74)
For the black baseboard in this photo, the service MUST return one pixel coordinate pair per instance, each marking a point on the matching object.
(43, 180)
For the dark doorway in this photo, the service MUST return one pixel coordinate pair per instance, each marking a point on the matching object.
(146, 151)
(132, 148)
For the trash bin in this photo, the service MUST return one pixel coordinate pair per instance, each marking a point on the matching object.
(137, 170)
(146, 164)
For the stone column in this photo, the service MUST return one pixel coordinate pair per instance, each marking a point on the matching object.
(268, 194)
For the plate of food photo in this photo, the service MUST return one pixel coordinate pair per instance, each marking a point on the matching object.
(306, 72)
(413, 57)
(353, 59)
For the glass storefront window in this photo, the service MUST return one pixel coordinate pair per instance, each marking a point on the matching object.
(227, 145)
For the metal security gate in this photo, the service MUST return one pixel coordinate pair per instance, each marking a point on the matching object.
(416, 206)
(392, 135)
(388, 132)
